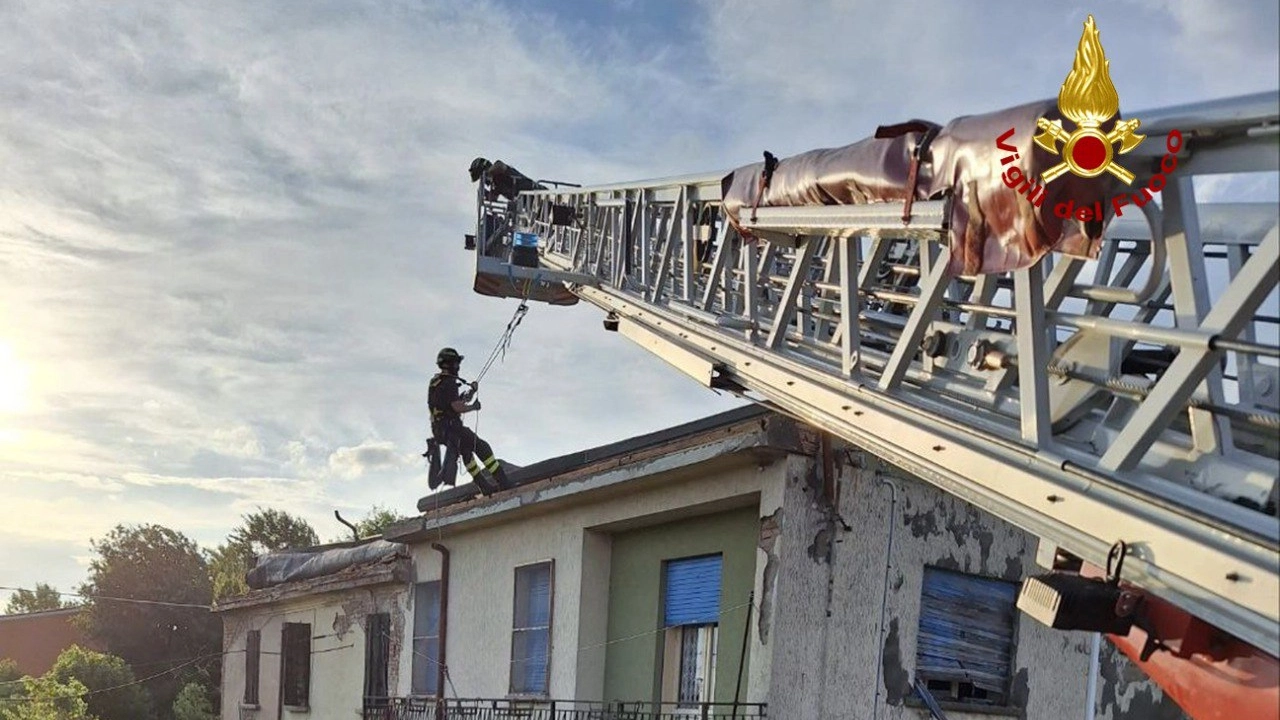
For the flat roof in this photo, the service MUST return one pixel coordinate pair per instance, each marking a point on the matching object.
(552, 467)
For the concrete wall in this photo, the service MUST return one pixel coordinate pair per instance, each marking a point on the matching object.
(836, 654)
(578, 536)
(635, 598)
(338, 622)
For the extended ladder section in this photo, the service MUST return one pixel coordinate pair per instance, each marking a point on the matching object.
(1132, 398)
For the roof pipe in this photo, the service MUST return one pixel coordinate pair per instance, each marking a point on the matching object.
(354, 532)
(884, 597)
(442, 661)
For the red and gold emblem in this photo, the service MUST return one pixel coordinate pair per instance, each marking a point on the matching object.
(1089, 99)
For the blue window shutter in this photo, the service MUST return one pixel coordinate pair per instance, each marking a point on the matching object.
(426, 640)
(531, 636)
(693, 591)
(540, 596)
(966, 630)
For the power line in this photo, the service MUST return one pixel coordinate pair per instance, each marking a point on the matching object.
(189, 661)
(163, 603)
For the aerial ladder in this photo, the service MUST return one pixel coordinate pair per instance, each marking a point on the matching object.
(1124, 410)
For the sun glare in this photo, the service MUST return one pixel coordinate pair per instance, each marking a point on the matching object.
(14, 378)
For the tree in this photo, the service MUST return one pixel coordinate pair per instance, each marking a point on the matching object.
(260, 532)
(44, 597)
(10, 676)
(193, 703)
(100, 673)
(153, 563)
(378, 519)
(44, 698)
(273, 530)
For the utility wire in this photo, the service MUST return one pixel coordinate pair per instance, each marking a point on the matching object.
(175, 668)
(164, 603)
(181, 664)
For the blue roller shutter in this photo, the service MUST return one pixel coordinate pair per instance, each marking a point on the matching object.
(692, 591)
(966, 630)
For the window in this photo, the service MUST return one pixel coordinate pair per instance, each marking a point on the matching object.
(377, 658)
(697, 671)
(691, 616)
(295, 665)
(252, 656)
(964, 651)
(426, 637)
(531, 630)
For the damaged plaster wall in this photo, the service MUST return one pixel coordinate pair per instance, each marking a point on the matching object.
(799, 618)
(338, 621)
(772, 488)
(1125, 692)
(835, 654)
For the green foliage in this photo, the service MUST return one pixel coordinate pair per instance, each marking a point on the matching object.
(260, 532)
(151, 562)
(44, 597)
(273, 530)
(100, 673)
(227, 566)
(9, 676)
(193, 703)
(47, 699)
(378, 519)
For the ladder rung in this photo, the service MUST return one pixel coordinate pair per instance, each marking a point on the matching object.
(826, 219)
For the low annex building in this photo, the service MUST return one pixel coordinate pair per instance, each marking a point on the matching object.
(34, 640)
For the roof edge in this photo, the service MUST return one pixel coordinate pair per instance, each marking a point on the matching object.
(397, 569)
(569, 462)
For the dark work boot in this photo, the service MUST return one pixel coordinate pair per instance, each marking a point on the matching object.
(494, 468)
(481, 478)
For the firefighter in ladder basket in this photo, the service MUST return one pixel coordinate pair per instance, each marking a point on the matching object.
(447, 403)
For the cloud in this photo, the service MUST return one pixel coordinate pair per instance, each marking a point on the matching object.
(352, 462)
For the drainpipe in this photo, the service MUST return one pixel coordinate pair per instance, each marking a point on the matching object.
(441, 710)
(1091, 690)
(884, 597)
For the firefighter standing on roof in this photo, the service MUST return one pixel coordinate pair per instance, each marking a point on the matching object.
(447, 404)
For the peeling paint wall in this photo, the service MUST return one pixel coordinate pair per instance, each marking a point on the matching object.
(847, 605)
(1124, 691)
(338, 621)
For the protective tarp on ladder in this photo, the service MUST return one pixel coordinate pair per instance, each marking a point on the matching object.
(992, 228)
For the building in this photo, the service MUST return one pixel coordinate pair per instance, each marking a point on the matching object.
(321, 630)
(740, 563)
(34, 640)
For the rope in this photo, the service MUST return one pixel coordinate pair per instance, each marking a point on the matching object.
(504, 341)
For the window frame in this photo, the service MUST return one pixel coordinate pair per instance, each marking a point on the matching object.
(953, 694)
(549, 627)
(291, 652)
(377, 652)
(252, 669)
(708, 655)
(418, 656)
(672, 648)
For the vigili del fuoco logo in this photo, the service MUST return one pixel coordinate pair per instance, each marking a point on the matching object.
(1089, 99)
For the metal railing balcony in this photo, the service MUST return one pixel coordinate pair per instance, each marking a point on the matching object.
(409, 708)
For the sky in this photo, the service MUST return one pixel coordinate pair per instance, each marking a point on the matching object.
(231, 233)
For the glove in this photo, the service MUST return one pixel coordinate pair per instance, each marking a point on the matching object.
(475, 405)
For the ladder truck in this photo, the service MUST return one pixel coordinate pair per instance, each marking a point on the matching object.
(1124, 410)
